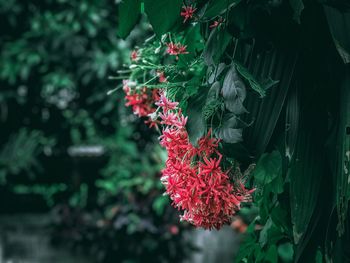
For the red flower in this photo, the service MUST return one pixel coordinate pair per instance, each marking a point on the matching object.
(176, 49)
(134, 56)
(166, 104)
(188, 12)
(207, 144)
(216, 23)
(142, 102)
(193, 177)
(161, 77)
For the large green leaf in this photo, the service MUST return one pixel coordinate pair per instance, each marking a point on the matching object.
(342, 153)
(259, 86)
(196, 125)
(268, 168)
(292, 123)
(339, 25)
(216, 45)
(298, 7)
(163, 14)
(266, 111)
(234, 92)
(229, 132)
(128, 14)
(215, 7)
(305, 175)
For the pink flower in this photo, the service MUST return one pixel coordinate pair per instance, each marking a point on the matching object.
(193, 177)
(188, 12)
(176, 49)
(216, 23)
(161, 77)
(207, 144)
(168, 118)
(134, 56)
(142, 102)
(166, 104)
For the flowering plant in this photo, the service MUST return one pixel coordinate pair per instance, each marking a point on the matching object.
(241, 73)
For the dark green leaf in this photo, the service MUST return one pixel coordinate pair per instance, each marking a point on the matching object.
(216, 7)
(292, 123)
(215, 72)
(216, 46)
(271, 255)
(213, 103)
(286, 252)
(305, 174)
(229, 135)
(196, 125)
(128, 14)
(268, 168)
(342, 153)
(339, 25)
(214, 91)
(234, 92)
(163, 14)
(297, 6)
(259, 87)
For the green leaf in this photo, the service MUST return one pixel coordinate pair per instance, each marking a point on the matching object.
(196, 125)
(229, 135)
(214, 72)
(194, 44)
(229, 132)
(216, 7)
(305, 173)
(128, 14)
(286, 252)
(163, 14)
(342, 154)
(271, 255)
(212, 104)
(259, 87)
(216, 45)
(338, 22)
(319, 256)
(234, 92)
(268, 168)
(297, 6)
(292, 123)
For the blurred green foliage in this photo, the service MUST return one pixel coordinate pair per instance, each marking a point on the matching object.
(68, 146)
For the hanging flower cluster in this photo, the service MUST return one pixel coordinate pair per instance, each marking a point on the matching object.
(142, 101)
(193, 176)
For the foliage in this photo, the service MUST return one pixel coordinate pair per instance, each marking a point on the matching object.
(59, 126)
(256, 76)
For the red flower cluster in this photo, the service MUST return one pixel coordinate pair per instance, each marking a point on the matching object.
(188, 12)
(142, 101)
(176, 49)
(193, 176)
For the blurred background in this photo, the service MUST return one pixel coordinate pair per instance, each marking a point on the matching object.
(79, 174)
